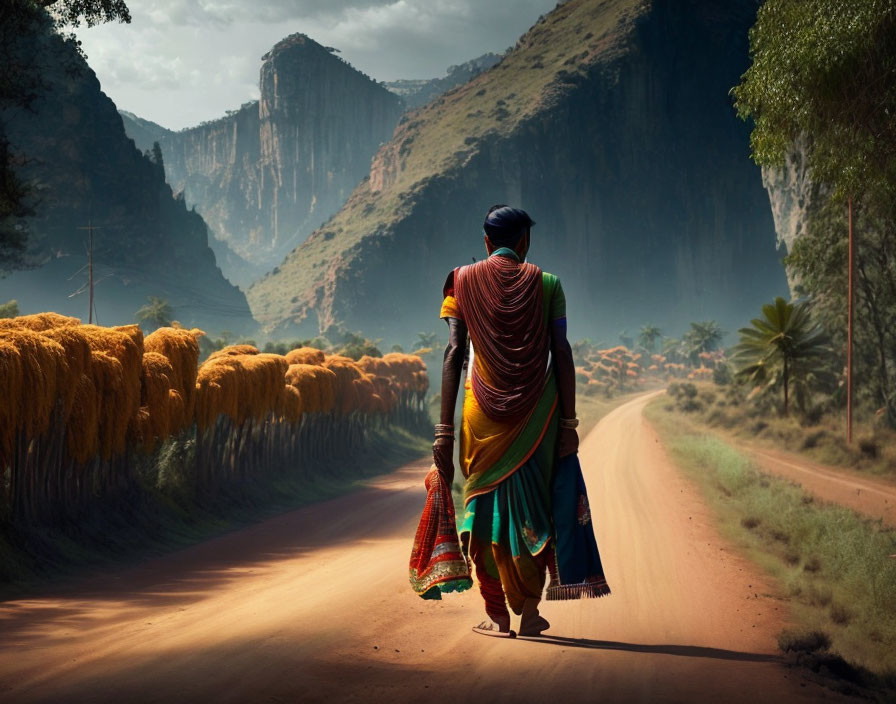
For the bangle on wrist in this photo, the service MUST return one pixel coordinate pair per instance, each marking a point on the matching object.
(569, 423)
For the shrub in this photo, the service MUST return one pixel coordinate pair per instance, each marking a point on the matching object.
(869, 447)
(803, 641)
(750, 522)
(722, 374)
(813, 439)
(708, 397)
(813, 565)
(840, 614)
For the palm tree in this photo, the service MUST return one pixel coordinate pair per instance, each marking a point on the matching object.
(785, 345)
(157, 313)
(648, 337)
(702, 337)
(672, 349)
(427, 339)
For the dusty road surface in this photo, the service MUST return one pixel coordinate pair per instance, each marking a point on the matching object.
(315, 606)
(870, 496)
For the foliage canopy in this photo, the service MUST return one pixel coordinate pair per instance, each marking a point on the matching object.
(824, 69)
(157, 313)
(782, 348)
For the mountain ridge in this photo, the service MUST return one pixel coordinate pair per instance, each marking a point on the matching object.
(416, 93)
(388, 167)
(86, 171)
(266, 174)
(610, 121)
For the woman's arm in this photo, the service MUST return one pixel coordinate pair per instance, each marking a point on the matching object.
(565, 373)
(452, 367)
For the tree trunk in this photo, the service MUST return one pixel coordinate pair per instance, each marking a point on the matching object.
(786, 388)
(883, 380)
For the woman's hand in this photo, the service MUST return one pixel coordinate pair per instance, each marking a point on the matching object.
(567, 442)
(443, 458)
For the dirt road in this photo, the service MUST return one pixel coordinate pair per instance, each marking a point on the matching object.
(871, 496)
(315, 606)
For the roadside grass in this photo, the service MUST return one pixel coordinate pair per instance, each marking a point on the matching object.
(168, 514)
(834, 567)
(821, 439)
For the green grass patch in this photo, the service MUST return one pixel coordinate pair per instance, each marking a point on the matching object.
(166, 513)
(834, 566)
(820, 438)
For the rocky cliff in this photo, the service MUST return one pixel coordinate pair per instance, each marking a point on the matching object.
(793, 197)
(266, 175)
(86, 170)
(610, 122)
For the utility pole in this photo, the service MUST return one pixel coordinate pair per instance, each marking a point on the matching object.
(851, 296)
(90, 228)
(90, 272)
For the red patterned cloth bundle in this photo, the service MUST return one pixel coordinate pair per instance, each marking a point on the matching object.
(437, 564)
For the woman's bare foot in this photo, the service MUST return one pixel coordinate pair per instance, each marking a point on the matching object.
(531, 622)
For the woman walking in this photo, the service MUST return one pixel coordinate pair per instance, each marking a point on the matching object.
(525, 508)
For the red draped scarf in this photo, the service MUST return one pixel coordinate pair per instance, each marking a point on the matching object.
(502, 303)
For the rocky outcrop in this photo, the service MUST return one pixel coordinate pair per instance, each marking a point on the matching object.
(610, 122)
(793, 196)
(85, 170)
(266, 175)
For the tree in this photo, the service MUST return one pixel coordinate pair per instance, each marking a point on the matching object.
(702, 337)
(14, 205)
(784, 346)
(824, 73)
(9, 309)
(155, 156)
(91, 12)
(817, 258)
(355, 345)
(582, 349)
(824, 70)
(673, 350)
(157, 313)
(649, 336)
(21, 83)
(427, 339)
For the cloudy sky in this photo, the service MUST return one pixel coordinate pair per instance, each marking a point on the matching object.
(183, 61)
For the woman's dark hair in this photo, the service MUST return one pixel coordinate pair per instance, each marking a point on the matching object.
(504, 225)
